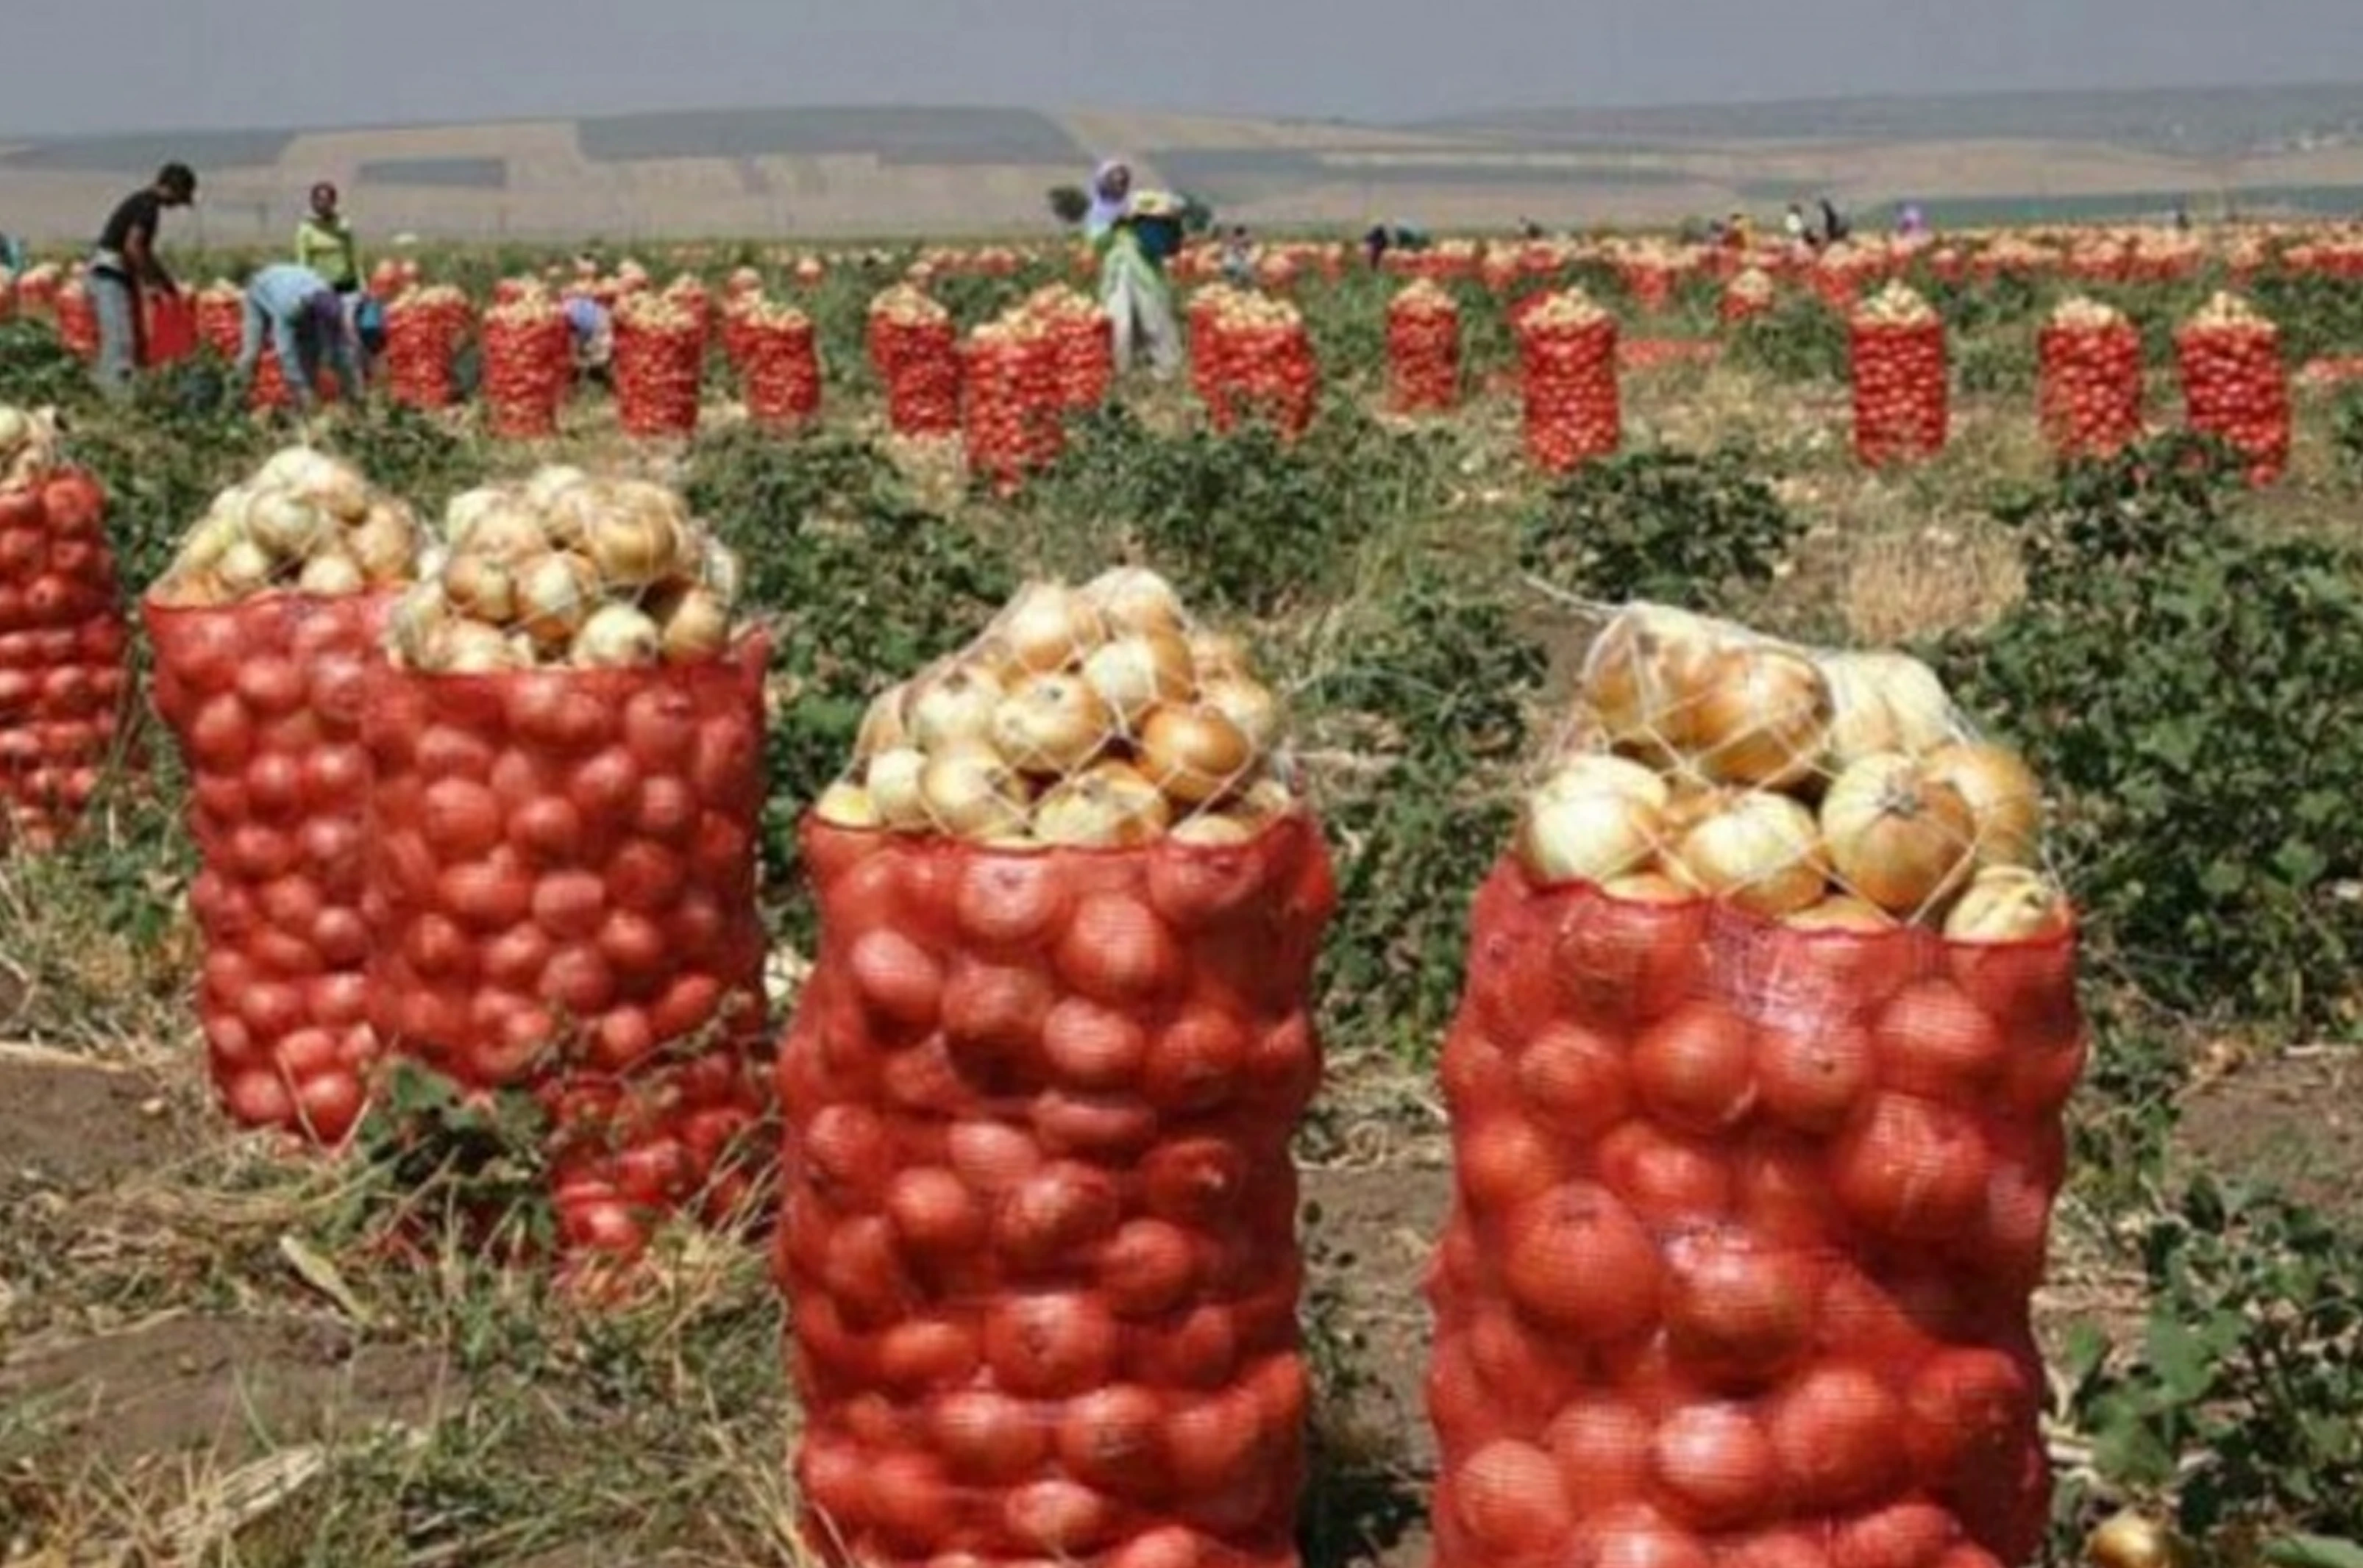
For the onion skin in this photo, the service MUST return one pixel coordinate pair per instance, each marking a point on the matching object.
(1896, 835)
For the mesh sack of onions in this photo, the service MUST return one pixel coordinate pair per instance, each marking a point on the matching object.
(1649, 279)
(1265, 363)
(1011, 405)
(1567, 358)
(529, 362)
(1756, 1090)
(221, 315)
(660, 361)
(424, 328)
(77, 316)
(2234, 383)
(1422, 349)
(1747, 296)
(778, 363)
(36, 290)
(1083, 341)
(1896, 350)
(63, 671)
(1039, 1218)
(916, 350)
(263, 626)
(566, 745)
(2089, 381)
(1202, 324)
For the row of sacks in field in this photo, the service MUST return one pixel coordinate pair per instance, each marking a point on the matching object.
(1767, 1023)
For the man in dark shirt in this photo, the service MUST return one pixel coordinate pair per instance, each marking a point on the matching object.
(124, 264)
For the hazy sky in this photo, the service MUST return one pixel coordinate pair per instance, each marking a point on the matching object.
(98, 65)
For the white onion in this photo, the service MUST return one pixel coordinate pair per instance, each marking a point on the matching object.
(615, 637)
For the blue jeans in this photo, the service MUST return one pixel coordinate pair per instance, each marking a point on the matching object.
(116, 305)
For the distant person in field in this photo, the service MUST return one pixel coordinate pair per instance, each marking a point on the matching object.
(1912, 223)
(304, 318)
(1134, 232)
(1238, 257)
(591, 331)
(325, 242)
(123, 266)
(1834, 226)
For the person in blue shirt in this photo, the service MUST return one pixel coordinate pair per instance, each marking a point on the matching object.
(305, 318)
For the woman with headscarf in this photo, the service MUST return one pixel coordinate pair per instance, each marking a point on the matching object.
(1132, 277)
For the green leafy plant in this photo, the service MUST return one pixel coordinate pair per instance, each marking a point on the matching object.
(1799, 339)
(1671, 526)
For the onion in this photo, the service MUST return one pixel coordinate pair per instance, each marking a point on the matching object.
(385, 545)
(481, 588)
(1894, 835)
(1642, 675)
(1211, 829)
(1050, 724)
(1762, 717)
(615, 637)
(953, 706)
(1133, 599)
(1193, 754)
(209, 540)
(500, 530)
(891, 780)
(1110, 805)
(2008, 904)
(638, 546)
(1139, 671)
(330, 574)
(1840, 911)
(1589, 823)
(471, 647)
(971, 793)
(1048, 626)
(553, 594)
(1883, 702)
(848, 805)
(550, 481)
(1249, 704)
(2130, 1540)
(2005, 799)
(1218, 654)
(882, 724)
(1758, 852)
(694, 627)
(244, 568)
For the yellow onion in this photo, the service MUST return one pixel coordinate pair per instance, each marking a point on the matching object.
(1139, 670)
(848, 805)
(1840, 911)
(1050, 724)
(1133, 599)
(1048, 626)
(286, 524)
(2004, 797)
(1761, 716)
(330, 574)
(891, 779)
(955, 704)
(637, 544)
(384, 545)
(245, 567)
(2008, 904)
(503, 531)
(1249, 704)
(693, 625)
(1218, 654)
(971, 793)
(1584, 825)
(1642, 675)
(1193, 753)
(616, 637)
(1212, 830)
(418, 615)
(552, 595)
(883, 728)
(1648, 887)
(2130, 1540)
(481, 588)
(1109, 806)
(189, 591)
(469, 648)
(1756, 851)
(209, 540)
(549, 482)
(1895, 834)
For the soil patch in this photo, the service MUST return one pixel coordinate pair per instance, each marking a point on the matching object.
(2293, 1122)
(78, 1125)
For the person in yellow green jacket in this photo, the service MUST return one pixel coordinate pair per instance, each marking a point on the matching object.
(324, 242)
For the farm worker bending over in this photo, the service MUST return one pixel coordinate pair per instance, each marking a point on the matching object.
(1133, 237)
(124, 263)
(325, 243)
(593, 333)
(307, 322)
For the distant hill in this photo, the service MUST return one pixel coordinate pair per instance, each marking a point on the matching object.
(836, 173)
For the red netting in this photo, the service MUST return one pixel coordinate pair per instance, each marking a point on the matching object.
(1568, 369)
(265, 700)
(1901, 405)
(528, 363)
(63, 658)
(1422, 351)
(2089, 386)
(561, 899)
(2235, 386)
(1039, 1231)
(1745, 1224)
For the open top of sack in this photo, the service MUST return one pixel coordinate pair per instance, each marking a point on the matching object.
(304, 521)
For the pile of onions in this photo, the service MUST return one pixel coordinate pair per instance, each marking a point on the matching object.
(659, 358)
(914, 348)
(1829, 791)
(1422, 349)
(2089, 379)
(1263, 363)
(529, 361)
(1083, 339)
(1091, 716)
(1567, 356)
(304, 523)
(1010, 411)
(778, 361)
(1902, 397)
(422, 330)
(2234, 383)
(569, 570)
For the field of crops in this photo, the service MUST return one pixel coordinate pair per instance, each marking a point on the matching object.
(2105, 484)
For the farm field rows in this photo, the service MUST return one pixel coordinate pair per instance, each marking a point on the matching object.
(213, 1351)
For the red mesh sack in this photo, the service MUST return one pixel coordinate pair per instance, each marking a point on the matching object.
(1010, 375)
(424, 328)
(1567, 354)
(529, 362)
(560, 890)
(1753, 1178)
(221, 319)
(914, 348)
(1650, 282)
(1422, 351)
(171, 328)
(659, 359)
(1085, 344)
(63, 649)
(1748, 294)
(1039, 1229)
(779, 364)
(1901, 405)
(1204, 325)
(2234, 384)
(2088, 382)
(265, 700)
(1267, 368)
(78, 319)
